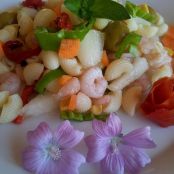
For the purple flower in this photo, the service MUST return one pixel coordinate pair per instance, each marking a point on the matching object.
(50, 152)
(118, 153)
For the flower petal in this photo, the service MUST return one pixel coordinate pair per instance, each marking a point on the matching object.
(70, 162)
(97, 148)
(66, 136)
(112, 126)
(33, 159)
(134, 159)
(113, 163)
(40, 136)
(139, 138)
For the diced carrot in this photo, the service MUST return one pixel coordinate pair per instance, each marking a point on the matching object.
(64, 104)
(1, 50)
(57, 10)
(63, 80)
(72, 103)
(105, 60)
(69, 48)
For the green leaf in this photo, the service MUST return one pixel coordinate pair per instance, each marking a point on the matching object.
(75, 116)
(46, 79)
(51, 41)
(136, 11)
(107, 9)
(130, 39)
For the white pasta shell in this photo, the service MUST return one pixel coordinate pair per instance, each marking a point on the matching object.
(163, 71)
(117, 68)
(3, 68)
(71, 66)
(50, 59)
(132, 24)
(32, 72)
(84, 103)
(44, 17)
(147, 31)
(3, 97)
(8, 33)
(91, 49)
(11, 109)
(115, 102)
(29, 11)
(131, 99)
(162, 29)
(25, 22)
(140, 66)
(101, 23)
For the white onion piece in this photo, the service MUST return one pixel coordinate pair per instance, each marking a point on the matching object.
(41, 104)
(91, 49)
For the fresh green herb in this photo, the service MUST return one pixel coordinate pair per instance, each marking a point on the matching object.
(132, 39)
(51, 41)
(107, 9)
(49, 77)
(137, 11)
(69, 115)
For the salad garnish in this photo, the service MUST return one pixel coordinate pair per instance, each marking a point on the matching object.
(87, 9)
(51, 152)
(118, 153)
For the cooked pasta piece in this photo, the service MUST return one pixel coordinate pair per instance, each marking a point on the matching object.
(140, 66)
(71, 66)
(131, 99)
(115, 102)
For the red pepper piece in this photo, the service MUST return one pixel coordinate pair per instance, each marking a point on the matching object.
(26, 93)
(16, 52)
(18, 120)
(33, 3)
(64, 22)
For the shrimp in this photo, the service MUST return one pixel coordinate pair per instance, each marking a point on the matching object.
(92, 82)
(70, 88)
(10, 82)
(83, 102)
(104, 100)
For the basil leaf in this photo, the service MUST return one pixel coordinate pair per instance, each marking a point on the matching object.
(130, 39)
(136, 11)
(75, 116)
(51, 41)
(107, 9)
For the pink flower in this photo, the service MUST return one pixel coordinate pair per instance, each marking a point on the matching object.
(118, 153)
(50, 152)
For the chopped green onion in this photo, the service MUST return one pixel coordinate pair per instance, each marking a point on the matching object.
(51, 41)
(130, 39)
(137, 11)
(69, 115)
(46, 79)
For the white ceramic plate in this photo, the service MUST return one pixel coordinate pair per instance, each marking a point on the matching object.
(12, 137)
